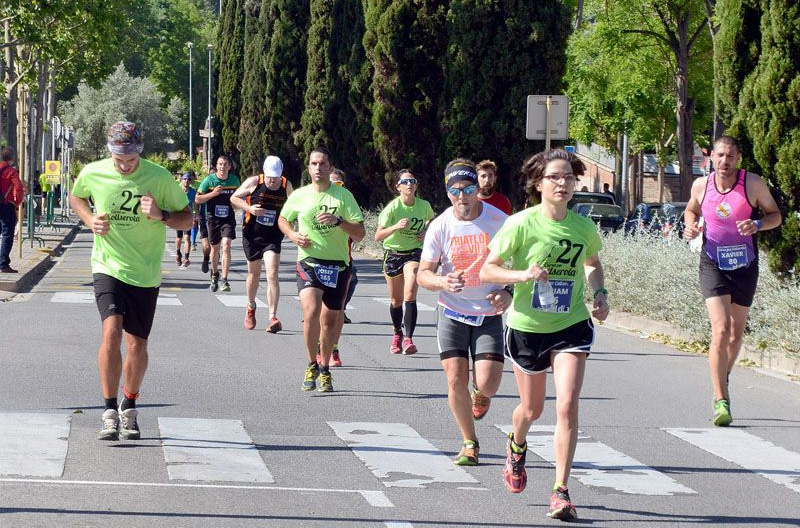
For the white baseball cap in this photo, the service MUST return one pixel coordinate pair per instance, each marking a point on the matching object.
(273, 167)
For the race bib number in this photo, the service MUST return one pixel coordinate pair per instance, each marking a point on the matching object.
(472, 320)
(268, 219)
(730, 258)
(221, 211)
(327, 275)
(562, 291)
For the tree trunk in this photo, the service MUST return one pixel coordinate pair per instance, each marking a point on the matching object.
(685, 107)
(11, 121)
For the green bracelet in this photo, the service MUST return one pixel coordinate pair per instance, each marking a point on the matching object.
(600, 290)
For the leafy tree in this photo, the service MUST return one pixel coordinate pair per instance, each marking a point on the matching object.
(121, 96)
(319, 76)
(498, 53)
(405, 42)
(285, 65)
(254, 109)
(758, 53)
(229, 59)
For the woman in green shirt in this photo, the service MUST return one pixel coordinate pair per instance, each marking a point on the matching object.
(401, 228)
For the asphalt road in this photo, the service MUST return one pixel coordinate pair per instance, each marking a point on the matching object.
(229, 439)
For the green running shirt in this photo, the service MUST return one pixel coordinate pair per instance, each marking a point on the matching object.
(327, 242)
(219, 207)
(131, 251)
(418, 214)
(560, 247)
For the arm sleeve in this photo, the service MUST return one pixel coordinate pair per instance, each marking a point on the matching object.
(352, 210)
(289, 211)
(504, 242)
(174, 197)
(384, 219)
(80, 187)
(432, 247)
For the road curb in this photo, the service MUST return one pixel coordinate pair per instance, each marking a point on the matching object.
(38, 264)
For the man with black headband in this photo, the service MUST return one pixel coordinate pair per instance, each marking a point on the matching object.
(135, 201)
(470, 322)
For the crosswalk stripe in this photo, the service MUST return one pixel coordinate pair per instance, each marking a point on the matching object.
(211, 450)
(87, 297)
(398, 455)
(597, 464)
(238, 301)
(168, 299)
(33, 444)
(746, 450)
(421, 306)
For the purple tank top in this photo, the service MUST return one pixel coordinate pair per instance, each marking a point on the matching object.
(721, 239)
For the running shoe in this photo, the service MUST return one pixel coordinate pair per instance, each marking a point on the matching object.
(178, 259)
(128, 426)
(275, 326)
(214, 281)
(250, 318)
(312, 373)
(396, 340)
(514, 473)
(186, 262)
(225, 286)
(325, 382)
(409, 348)
(204, 265)
(480, 404)
(336, 361)
(110, 430)
(561, 506)
(722, 413)
(468, 456)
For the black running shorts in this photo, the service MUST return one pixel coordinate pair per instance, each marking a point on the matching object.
(393, 261)
(255, 247)
(310, 275)
(740, 283)
(458, 339)
(136, 305)
(221, 228)
(531, 352)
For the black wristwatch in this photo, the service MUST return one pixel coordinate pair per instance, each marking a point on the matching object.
(339, 221)
(164, 216)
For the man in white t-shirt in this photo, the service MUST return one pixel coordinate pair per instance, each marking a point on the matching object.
(470, 322)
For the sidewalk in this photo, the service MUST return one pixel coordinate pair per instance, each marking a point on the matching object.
(37, 256)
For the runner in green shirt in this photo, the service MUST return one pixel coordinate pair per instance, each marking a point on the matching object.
(135, 200)
(401, 227)
(327, 215)
(550, 249)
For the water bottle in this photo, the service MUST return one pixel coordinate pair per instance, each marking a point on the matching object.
(547, 299)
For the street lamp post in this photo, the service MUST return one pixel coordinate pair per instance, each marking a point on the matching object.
(191, 150)
(208, 121)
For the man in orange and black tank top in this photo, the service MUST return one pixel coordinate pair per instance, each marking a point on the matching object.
(735, 205)
(262, 197)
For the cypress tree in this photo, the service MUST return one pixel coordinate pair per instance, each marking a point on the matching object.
(229, 58)
(315, 125)
(405, 42)
(285, 65)
(500, 52)
(254, 109)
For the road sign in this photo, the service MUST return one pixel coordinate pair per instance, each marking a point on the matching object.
(52, 172)
(537, 117)
(206, 133)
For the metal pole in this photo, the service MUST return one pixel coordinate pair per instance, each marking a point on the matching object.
(208, 122)
(548, 104)
(191, 150)
(624, 190)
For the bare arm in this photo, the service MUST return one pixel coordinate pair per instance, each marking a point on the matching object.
(239, 195)
(204, 197)
(428, 279)
(757, 188)
(494, 272)
(98, 223)
(297, 238)
(383, 232)
(596, 280)
(693, 212)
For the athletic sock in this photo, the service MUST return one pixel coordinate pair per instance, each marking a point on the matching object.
(396, 312)
(559, 485)
(410, 317)
(129, 400)
(111, 403)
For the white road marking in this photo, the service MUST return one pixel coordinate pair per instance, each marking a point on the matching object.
(76, 297)
(746, 450)
(211, 450)
(421, 306)
(398, 455)
(168, 299)
(398, 524)
(33, 444)
(377, 499)
(238, 301)
(597, 464)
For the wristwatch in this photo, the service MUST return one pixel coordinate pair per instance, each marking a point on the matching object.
(164, 216)
(339, 221)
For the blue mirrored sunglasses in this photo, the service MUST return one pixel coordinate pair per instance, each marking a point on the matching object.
(407, 181)
(469, 189)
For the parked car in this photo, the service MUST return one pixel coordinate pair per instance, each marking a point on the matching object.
(641, 217)
(608, 216)
(590, 197)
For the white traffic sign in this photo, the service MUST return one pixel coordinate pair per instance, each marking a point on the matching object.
(537, 118)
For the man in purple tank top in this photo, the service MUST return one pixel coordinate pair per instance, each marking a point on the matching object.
(734, 205)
